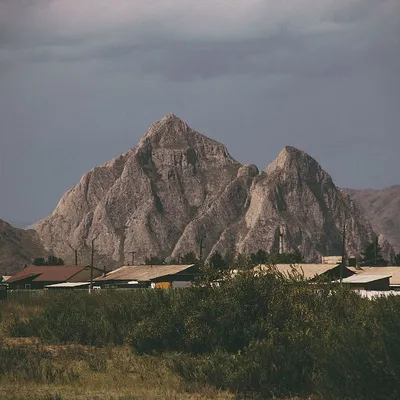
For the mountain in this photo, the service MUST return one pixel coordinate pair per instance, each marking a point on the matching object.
(296, 197)
(178, 186)
(17, 248)
(382, 208)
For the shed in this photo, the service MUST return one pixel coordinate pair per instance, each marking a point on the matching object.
(368, 282)
(140, 276)
(393, 271)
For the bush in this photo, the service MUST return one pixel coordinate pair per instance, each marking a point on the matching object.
(265, 335)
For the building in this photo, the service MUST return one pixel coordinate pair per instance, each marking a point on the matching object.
(368, 282)
(143, 276)
(37, 277)
(307, 271)
(4, 278)
(68, 286)
(394, 273)
(331, 260)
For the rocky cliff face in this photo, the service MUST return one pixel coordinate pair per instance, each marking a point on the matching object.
(178, 186)
(296, 198)
(382, 208)
(17, 248)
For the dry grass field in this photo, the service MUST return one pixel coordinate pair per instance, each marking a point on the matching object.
(78, 372)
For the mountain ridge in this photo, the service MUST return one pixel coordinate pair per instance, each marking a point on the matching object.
(18, 247)
(382, 208)
(178, 186)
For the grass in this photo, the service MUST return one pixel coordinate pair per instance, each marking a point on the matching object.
(63, 372)
(90, 373)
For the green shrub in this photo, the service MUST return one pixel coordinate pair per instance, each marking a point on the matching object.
(264, 335)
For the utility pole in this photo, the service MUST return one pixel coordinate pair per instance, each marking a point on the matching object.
(91, 268)
(375, 249)
(343, 253)
(133, 256)
(76, 256)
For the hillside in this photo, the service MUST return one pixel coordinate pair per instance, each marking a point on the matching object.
(382, 208)
(17, 248)
(178, 186)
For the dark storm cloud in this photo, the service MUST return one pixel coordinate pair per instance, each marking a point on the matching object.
(337, 44)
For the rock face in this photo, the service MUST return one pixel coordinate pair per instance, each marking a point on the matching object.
(17, 248)
(296, 198)
(382, 208)
(178, 186)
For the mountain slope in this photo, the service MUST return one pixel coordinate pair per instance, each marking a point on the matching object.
(17, 248)
(297, 198)
(382, 208)
(143, 200)
(178, 186)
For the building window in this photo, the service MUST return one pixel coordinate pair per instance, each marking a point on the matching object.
(27, 286)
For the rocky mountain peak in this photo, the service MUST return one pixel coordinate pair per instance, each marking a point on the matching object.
(178, 186)
(294, 162)
(168, 130)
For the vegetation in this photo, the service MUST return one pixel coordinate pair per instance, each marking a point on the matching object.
(154, 260)
(32, 372)
(372, 255)
(253, 336)
(51, 260)
(242, 261)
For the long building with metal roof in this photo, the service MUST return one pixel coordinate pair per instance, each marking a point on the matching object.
(148, 275)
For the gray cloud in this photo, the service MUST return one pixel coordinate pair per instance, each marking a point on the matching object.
(81, 81)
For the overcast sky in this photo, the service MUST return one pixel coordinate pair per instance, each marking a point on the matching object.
(81, 80)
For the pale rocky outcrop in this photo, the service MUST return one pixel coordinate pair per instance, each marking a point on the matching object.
(177, 186)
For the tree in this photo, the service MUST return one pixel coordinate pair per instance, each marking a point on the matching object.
(154, 260)
(51, 260)
(286, 258)
(372, 255)
(217, 261)
(296, 257)
(189, 258)
(39, 261)
(261, 257)
(243, 262)
(397, 259)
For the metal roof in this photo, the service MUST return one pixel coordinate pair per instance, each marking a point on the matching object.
(394, 272)
(57, 273)
(143, 273)
(364, 278)
(307, 271)
(67, 285)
